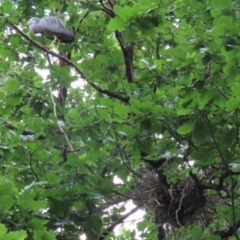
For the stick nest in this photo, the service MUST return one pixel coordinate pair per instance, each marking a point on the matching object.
(173, 205)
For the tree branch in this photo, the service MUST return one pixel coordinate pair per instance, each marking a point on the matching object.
(217, 187)
(107, 10)
(70, 63)
(111, 228)
(127, 49)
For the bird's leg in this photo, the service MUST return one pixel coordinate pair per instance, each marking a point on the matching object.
(58, 43)
(54, 40)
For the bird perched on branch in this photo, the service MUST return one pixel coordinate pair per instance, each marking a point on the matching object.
(52, 27)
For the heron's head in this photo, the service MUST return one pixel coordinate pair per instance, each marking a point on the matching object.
(32, 22)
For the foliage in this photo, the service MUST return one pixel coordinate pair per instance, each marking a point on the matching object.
(158, 99)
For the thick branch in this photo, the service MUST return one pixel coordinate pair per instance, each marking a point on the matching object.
(127, 49)
(70, 63)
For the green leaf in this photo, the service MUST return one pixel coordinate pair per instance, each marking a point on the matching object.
(184, 111)
(212, 237)
(11, 85)
(8, 188)
(49, 235)
(130, 33)
(73, 160)
(53, 178)
(7, 6)
(196, 232)
(186, 128)
(200, 131)
(121, 110)
(232, 104)
(142, 225)
(3, 230)
(236, 89)
(37, 224)
(125, 12)
(113, 86)
(221, 4)
(116, 24)
(20, 235)
(6, 202)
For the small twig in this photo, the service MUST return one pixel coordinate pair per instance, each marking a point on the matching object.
(3, 99)
(30, 164)
(59, 125)
(23, 12)
(49, 60)
(180, 205)
(171, 2)
(81, 20)
(222, 93)
(123, 195)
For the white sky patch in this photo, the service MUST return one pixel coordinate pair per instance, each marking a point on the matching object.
(130, 223)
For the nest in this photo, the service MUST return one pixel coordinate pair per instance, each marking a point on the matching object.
(175, 205)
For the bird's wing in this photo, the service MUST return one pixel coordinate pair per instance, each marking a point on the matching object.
(52, 24)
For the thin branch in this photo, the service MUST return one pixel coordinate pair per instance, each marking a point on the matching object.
(107, 10)
(123, 195)
(30, 164)
(121, 220)
(107, 205)
(222, 93)
(59, 125)
(81, 20)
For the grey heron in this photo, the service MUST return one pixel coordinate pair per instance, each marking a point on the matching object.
(52, 27)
